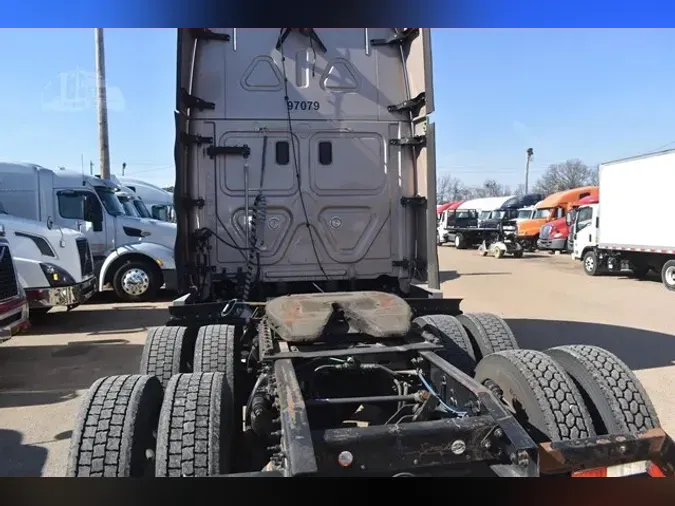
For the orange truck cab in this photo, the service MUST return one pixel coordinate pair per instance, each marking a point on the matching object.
(553, 207)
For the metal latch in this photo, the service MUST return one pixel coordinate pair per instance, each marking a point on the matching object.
(188, 203)
(214, 151)
(416, 201)
(192, 101)
(413, 105)
(416, 141)
(206, 34)
(195, 139)
(400, 37)
(307, 32)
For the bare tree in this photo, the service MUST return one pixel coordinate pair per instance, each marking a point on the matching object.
(565, 176)
(442, 188)
(595, 176)
(489, 188)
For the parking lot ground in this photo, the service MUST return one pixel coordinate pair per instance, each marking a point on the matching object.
(547, 300)
(45, 371)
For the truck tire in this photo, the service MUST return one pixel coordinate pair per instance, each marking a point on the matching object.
(542, 396)
(615, 397)
(113, 435)
(195, 435)
(518, 253)
(458, 349)
(668, 275)
(460, 241)
(590, 261)
(137, 281)
(488, 333)
(215, 350)
(165, 353)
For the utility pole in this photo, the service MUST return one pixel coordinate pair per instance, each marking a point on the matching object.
(102, 105)
(530, 152)
(124, 166)
(91, 168)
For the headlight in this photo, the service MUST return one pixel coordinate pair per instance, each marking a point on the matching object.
(56, 275)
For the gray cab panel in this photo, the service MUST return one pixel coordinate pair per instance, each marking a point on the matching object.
(339, 149)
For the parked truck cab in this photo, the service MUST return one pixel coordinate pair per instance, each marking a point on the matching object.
(553, 207)
(555, 235)
(510, 209)
(54, 265)
(445, 218)
(158, 201)
(134, 255)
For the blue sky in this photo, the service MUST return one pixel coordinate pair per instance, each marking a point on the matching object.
(596, 95)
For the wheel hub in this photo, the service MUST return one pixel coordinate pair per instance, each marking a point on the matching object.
(135, 282)
(590, 263)
(669, 276)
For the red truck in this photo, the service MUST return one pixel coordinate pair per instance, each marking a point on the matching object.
(555, 235)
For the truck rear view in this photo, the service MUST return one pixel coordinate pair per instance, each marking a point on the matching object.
(304, 159)
(306, 343)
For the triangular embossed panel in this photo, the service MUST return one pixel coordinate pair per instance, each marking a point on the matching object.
(262, 75)
(340, 76)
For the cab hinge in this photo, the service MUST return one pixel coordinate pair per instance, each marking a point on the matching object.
(214, 151)
(206, 34)
(416, 201)
(400, 37)
(413, 105)
(415, 141)
(192, 101)
(195, 139)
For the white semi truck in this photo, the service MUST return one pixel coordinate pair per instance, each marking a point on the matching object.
(132, 254)
(158, 200)
(613, 235)
(54, 265)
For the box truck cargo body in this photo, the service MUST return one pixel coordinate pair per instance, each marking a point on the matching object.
(630, 229)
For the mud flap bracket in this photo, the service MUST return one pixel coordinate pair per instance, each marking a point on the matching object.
(400, 37)
(206, 34)
(415, 141)
(195, 139)
(413, 105)
(192, 101)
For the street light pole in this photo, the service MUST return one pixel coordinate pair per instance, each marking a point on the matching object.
(530, 152)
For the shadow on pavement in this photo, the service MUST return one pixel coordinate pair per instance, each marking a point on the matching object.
(38, 375)
(640, 349)
(109, 297)
(98, 321)
(20, 459)
(451, 275)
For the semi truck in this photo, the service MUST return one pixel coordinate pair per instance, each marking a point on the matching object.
(54, 265)
(555, 235)
(510, 209)
(553, 207)
(133, 255)
(464, 228)
(158, 200)
(610, 238)
(312, 338)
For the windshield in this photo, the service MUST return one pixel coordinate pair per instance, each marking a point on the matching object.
(128, 205)
(542, 213)
(484, 215)
(141, 209)
(498, 215)
(525, 214)
(110, 201)
(468, 213)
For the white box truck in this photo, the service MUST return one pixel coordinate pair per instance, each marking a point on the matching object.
(617, 234)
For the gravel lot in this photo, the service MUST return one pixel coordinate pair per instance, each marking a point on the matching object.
(547, 299)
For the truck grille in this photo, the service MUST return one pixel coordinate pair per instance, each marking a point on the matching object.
(86, 264)
(8, 286)
(545, 232)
